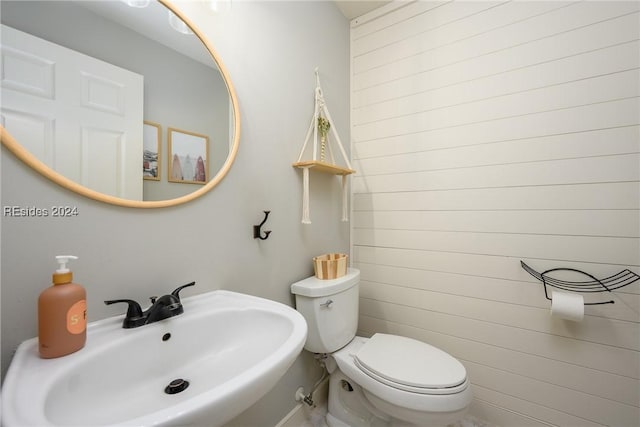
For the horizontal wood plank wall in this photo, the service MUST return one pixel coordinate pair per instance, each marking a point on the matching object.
(485, 133)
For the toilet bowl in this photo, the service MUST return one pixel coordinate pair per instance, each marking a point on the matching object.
(383, 381)
(406, 381)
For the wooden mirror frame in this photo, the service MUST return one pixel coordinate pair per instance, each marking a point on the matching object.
(30, 160)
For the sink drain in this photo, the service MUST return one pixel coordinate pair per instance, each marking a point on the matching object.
(176, 386)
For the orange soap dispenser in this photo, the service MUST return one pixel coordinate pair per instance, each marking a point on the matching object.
(62, 314)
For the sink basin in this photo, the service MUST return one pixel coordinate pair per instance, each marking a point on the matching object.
(231, 348)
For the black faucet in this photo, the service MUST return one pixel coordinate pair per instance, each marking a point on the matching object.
(161, 308)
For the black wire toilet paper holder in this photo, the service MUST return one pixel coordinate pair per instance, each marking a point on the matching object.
(608, 284)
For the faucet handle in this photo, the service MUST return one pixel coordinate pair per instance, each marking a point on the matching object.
(176, 292)
(134, 309)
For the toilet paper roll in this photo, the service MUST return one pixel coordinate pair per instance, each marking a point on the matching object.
(569, 306)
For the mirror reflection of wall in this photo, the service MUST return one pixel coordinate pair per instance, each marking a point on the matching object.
(179, 92)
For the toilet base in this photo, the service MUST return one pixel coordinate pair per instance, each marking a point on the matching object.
(334, 422)
(350, 407)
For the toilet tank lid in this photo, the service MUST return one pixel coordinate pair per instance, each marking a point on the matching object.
(314, 287)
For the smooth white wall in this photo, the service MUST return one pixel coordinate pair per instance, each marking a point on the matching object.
(485, 133)
(271, 50)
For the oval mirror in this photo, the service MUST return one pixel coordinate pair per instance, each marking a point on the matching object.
(122, 101)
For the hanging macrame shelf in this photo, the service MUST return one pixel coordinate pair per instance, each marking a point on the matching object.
(321, 123)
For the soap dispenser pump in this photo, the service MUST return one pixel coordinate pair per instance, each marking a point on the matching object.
(62, 314)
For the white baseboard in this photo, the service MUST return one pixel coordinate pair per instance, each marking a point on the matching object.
(296, 417)
(299, 414)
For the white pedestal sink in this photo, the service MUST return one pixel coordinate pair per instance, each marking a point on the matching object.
(231, 348)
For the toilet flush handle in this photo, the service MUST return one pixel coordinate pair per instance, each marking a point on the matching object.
(327, 303)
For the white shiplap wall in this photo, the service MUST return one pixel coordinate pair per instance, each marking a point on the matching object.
(485, 133)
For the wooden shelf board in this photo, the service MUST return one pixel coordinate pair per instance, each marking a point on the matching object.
(323, 167)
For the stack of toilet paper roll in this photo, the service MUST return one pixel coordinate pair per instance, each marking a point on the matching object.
(569, 306)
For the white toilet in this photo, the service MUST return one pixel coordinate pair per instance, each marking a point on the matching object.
(385, 380)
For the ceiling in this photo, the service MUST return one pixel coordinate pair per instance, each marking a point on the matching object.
(354, 8)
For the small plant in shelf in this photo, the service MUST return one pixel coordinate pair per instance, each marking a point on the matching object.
(323, 129)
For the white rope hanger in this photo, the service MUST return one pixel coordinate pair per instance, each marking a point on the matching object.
(321, 123)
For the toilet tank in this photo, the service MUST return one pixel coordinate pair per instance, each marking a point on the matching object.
(330, 308)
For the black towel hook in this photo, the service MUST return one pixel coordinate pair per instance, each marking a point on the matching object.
(257, 234)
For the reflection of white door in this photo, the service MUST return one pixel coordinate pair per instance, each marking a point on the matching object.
(79, 115)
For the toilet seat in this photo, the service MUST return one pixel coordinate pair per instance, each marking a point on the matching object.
(410, 365)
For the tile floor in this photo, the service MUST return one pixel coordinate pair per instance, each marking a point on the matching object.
(315, 418)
